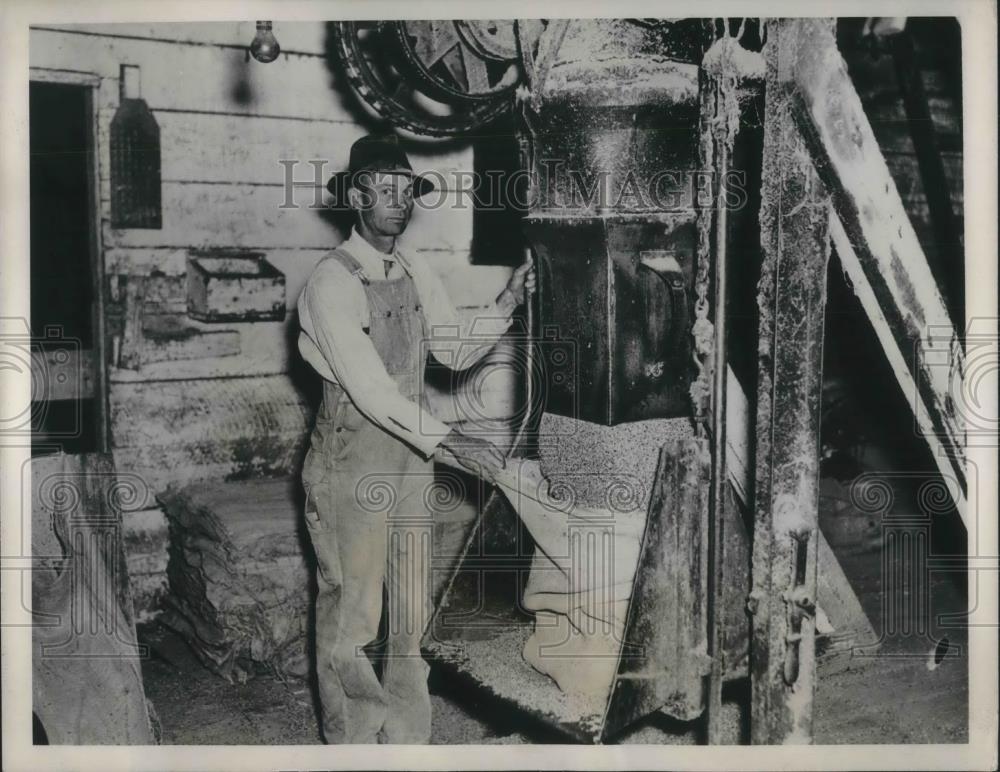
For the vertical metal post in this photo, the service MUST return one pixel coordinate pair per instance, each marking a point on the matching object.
(794, 219)
(716, 535)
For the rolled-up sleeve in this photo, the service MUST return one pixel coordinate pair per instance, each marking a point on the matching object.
(458, 338)
(334, 343)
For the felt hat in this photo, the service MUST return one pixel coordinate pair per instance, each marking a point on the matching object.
(375, 153)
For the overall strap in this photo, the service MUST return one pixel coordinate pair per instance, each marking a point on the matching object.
(349, 262)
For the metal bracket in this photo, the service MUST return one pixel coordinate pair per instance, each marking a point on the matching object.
(667, 267)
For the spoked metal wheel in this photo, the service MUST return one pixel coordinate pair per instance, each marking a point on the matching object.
(434, 78)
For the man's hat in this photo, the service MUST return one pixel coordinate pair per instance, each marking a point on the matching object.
(375, 153)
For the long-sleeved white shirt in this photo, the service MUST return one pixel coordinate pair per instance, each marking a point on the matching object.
(333, 309)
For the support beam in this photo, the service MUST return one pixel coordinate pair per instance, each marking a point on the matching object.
(854, 270)
(932, 174)
(905, 307)
(794, 218)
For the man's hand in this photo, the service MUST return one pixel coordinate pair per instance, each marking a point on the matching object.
(477, 455)
(522, 282)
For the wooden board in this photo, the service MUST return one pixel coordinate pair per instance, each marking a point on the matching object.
(295, 262)
(170, 338)
(794, 216)
(180, 431)
(942, 350)
(902, 298)
(203, 147)
(468, 286)
(251, 216)
(261, 348)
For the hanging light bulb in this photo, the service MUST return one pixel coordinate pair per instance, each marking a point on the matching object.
(264, 47)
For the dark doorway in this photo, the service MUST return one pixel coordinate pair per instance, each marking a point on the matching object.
(67, 406)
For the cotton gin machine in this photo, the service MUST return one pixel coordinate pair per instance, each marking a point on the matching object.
(599, 581)
(589, 594)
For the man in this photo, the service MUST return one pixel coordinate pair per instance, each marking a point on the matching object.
(365, 313)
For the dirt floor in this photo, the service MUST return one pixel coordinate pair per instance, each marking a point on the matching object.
(914, 691)
(194, 707)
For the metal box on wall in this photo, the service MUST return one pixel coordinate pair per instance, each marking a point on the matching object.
(228, 285)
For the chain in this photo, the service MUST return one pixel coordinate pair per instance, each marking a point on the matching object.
(703, 331)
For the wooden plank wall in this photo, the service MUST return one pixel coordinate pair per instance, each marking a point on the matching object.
(225, 123)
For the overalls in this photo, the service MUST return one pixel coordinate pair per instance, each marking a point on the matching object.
(369, 524)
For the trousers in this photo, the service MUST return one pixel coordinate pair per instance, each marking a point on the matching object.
(371, 532)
